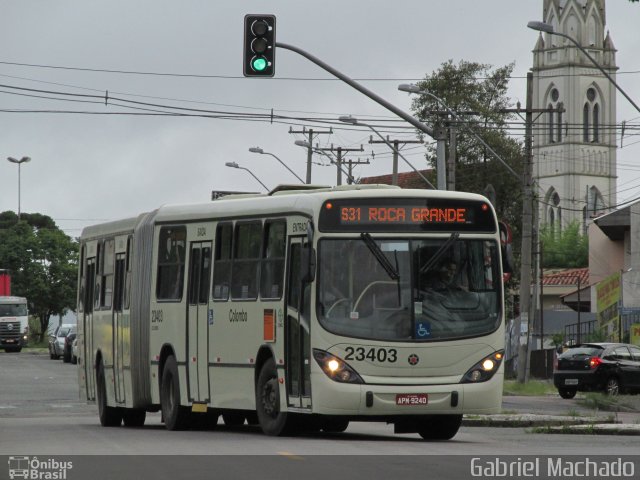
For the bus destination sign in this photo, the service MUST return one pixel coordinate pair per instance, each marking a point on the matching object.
(407, 214)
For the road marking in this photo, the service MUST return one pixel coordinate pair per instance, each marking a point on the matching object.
(290, 456)
(8, 406)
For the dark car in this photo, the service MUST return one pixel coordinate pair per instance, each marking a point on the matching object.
(67, 353)
(606, 367)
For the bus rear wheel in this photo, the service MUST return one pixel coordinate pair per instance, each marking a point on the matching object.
(440, 427)
(175, 416)
(271, 419)
(109, 416)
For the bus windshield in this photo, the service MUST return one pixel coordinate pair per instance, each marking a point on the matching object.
(409, 290)
(13, 310)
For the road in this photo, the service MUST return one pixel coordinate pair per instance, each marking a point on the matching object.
(40, 413)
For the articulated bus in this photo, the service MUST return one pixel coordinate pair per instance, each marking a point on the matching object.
(300, 309)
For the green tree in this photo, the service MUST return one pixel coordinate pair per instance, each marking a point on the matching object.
(478, 93)
(565, 249)
(43, 263)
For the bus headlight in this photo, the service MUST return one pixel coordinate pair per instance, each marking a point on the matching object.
(484, 369)
(336, 368)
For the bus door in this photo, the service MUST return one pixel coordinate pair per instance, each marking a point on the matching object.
(89, 299)
(118, 327)
(297, 346)
(197, 321)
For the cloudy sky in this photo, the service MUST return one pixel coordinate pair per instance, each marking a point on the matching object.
(111, 161)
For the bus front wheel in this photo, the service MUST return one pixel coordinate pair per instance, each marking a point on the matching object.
(271, 419)
(440, 427)
(175, 416)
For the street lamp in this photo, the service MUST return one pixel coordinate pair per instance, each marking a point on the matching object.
(354, 121)
(305, 144)
(19, 162)
(262, 152)
(548, 28)
(235, 165)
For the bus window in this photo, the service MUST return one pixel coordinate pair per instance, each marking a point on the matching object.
(222, 262)
(171, 257)
(106, 295)
(272, 270)
(246, 261)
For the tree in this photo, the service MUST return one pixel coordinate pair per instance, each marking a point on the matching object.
(565, 249)
(476, 88)
(43, 263)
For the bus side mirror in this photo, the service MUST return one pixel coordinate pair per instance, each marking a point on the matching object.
(308, 265)
(507, 262)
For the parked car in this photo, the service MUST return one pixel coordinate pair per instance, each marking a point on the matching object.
(607, 367)
(56, 341)
(74, 351)
(68, 343)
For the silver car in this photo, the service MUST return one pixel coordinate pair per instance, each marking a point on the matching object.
(56, 341)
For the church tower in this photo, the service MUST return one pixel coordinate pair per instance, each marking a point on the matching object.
(574, 151)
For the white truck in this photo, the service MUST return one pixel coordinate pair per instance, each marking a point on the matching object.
(14, 323)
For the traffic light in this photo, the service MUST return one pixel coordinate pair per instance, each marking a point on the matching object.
(259, 45)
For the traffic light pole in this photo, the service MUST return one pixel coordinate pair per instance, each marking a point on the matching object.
(376, 98)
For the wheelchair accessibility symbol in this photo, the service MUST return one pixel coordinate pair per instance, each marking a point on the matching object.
(423, 330)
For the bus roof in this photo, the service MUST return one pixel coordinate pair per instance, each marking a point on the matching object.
(305, 199)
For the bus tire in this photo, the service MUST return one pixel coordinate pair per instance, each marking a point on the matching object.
(440, 427)
(134, 417)
(175, 416)
(109, 416)
(272, 420)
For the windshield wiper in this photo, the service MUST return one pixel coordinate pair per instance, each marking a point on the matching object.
(380, 257)
(436, 256)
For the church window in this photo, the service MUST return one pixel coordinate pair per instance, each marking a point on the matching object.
(596, 123)
(585, 123)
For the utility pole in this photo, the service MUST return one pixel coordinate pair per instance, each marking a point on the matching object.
(340, 151)
(396, 143)
(451, 160)
(351, 163)
(311, 132)
(527, 220)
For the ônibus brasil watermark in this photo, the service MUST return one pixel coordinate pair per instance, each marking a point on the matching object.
(32, 468)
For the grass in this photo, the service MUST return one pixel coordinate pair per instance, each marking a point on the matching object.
(531, 388)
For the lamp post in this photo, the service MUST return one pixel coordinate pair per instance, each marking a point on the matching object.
(354, 121)
(547, 28)
(19, 162)
(262, 152)
(235, 165)
(305, 144)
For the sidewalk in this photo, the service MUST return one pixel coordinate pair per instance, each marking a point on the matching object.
(603, 423)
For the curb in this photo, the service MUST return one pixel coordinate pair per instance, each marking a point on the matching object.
(530, 420)
(597, 429)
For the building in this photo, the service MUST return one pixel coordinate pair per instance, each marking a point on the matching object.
(574, 144)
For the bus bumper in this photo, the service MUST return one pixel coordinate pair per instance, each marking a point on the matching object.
(333, 398)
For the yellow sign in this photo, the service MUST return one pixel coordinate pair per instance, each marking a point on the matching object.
(635, 334)
(607, 300)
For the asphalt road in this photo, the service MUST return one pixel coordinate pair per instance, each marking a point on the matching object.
(41, 414)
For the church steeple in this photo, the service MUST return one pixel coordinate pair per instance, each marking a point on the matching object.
(574, 146)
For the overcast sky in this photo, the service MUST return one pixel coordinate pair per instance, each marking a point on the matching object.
(87, 168)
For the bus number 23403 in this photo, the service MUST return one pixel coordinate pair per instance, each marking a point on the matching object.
(373, 354)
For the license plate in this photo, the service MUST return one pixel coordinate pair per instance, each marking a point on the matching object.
(571, 381)
(409, 399)
(9, 341)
